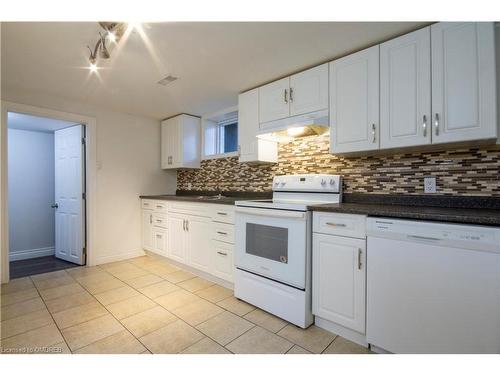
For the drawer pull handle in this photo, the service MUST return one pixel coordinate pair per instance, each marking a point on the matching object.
(223, 233)
(146, 204)
(336, 224)
(222, 213)
(221, 253)
(359, 258)
(158, 206)
(158, 220)
(158, 236)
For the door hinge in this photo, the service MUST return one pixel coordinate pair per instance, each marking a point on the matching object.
(84, 196)
(83, 140)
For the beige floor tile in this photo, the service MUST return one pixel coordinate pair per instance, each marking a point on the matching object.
(197, 312)
(94, 277)
(69, 301)
(162, 269)
(158, 289)
(116, 295)
(140, 260)
(46, 336)
(342, 346)
(53, 282)
(22, 308)
(172, 338)
(60, 291)
(179, 276)
(259, 341)
(84, 271)
(206, 346)
(16, 297)
(111, 265)
(48, 276)
(224, 327)
(215, 293)
(314, 339)
(236, 306)
(298, 350)
(131, 306)
(101, 286)
(195, 284)
(128, 274)
(148, 321)
(264, 319)
(143, 281)
(79, 314)
(89, 332)
(24, 323)
(177, 299)
(17, 285)
(119, 343)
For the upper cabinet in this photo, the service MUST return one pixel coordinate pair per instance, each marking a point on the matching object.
(252, 149)
(298, 94)
(437, 85)
(354, 102)
(463, 81)
(405, 90)
(180, 142)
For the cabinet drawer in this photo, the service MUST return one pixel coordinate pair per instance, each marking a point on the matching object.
(223, 215)
(147, 204)
(223, 232)
(159, 220)
(340, 224)
(223, 260)
(160, 206)
(160, 241)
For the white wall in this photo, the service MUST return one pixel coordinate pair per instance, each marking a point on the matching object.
(30, 193)
(128, 165)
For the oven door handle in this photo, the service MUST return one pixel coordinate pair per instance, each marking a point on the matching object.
(271, 212)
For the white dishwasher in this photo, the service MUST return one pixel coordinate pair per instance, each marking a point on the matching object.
(433, 287)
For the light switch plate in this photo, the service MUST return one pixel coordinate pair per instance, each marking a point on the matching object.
(429, 185)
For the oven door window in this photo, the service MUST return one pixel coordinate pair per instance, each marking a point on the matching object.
(267, 242)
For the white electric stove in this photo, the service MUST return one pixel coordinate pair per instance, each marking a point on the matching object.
(273, 245)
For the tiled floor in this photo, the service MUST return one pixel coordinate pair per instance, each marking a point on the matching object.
(144, 305)
(34, 266)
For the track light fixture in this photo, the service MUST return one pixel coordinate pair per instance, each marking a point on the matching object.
(113, 32)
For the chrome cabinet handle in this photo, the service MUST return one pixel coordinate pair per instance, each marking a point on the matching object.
(222, 213)
(158, 206)
(187, 225)
(359, 258)
(221, 253)
(183, 224)
(223, 233)
(286, 96)
(424, 126)
(291, 95)
(336, 224)
(158, 236)
(436, 123)
(150, 219)
(159, 221)
(55, 205)
(374, 128)
(169, 160)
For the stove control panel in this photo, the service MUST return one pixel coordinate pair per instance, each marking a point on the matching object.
(328, 183)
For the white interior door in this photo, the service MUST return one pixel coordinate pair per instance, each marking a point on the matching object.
(69, 188)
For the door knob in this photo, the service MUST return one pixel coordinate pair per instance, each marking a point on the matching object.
(55, 205)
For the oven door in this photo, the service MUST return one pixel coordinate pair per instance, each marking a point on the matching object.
(272, 243)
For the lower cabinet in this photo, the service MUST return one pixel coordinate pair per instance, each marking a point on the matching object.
(222, 257)
(198, 232)
(147, 229)
(160, 241)
(176, 240)
(339, 280)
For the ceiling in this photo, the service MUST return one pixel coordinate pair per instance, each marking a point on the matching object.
(214, 61)
(21, 121)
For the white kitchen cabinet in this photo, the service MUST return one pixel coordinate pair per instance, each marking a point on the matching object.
(309, 91)
(180, 142)
(147, 229)
(405, 90)
(160, 241)
(176, 240)
(274, 100)
(354, 102)
(339, 280)
(222, 257)
(463, 81)
(198, 231)
(252, 149)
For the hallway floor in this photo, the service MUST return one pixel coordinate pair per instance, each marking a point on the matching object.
(144, 305)
(35, 266)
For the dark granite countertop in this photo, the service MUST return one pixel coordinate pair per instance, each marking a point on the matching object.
(208, 197)
(464, 210)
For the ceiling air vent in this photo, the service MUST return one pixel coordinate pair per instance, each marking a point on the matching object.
(167, 80)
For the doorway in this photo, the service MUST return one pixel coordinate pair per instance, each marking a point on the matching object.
(46, 194)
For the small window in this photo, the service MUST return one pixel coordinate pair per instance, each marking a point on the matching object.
(220, 134)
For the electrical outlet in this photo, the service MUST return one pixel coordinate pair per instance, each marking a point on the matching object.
(429, 185)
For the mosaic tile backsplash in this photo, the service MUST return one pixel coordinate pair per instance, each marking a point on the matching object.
(465, 171)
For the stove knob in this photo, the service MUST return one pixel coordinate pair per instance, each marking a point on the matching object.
(332, 181)
(323, 182)
(276, 183)
(283, 183)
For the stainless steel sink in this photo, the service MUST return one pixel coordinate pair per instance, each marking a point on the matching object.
(211, 197)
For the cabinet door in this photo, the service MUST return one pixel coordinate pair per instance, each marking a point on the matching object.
(274, 101)
(169, 143)
(252, 149)
(309, 91)
(339, 280)
(354, 102)
(463, 81)
(177, 238)
(160, 241)
(199, 231)
(147, 226)
(222, 257)
(405, 90)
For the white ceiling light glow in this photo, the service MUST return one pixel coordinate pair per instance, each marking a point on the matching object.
(113, 32)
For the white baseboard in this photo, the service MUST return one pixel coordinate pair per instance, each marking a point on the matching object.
(118, 257)
(346, 333)
(31, 253)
